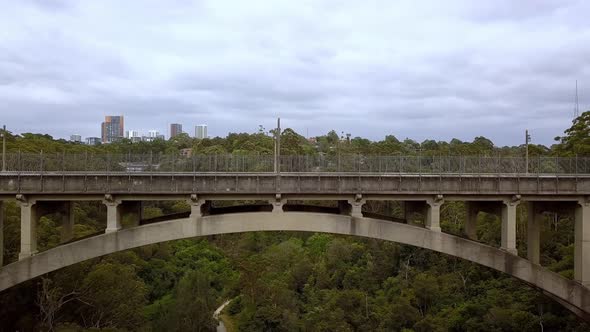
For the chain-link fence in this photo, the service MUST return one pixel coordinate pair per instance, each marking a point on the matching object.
(131, 163)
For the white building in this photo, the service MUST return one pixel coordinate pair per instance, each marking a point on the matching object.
(93, 140)
(153, 133)
(201, 131)
(76, 138)
(131, 134)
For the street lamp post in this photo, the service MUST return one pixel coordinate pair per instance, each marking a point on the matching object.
(4, 148)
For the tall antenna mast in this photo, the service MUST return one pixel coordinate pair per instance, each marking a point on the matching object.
(577, 106)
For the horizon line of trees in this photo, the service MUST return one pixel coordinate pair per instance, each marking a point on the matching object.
(575, 141)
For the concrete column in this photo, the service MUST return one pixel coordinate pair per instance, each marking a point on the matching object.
(28, 228)
(277, 204)
(1, 234)
(533, 233)
(356, 208)
(508, 242)
(582, 243)
(67, 222)
(196, 207)
(432, 213)
(113, 215)
(471, 220)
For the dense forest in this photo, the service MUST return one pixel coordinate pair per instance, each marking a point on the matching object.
(284, 281)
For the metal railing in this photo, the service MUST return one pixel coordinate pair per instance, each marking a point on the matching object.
(159, 163)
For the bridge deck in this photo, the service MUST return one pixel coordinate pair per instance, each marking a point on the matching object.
(12, 183)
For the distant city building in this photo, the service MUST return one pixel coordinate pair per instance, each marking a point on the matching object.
(76, 138)
(113, 128)
(131, 134)
(92, 140)
(201, 131)
(153, 135)
(175, 129)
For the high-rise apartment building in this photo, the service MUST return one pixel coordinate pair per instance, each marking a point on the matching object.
(153, 133)
(113, 128)
(175, 129)
(201, 131)
(76, 138)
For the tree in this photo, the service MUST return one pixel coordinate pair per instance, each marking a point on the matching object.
(51, 299)
(577, 137)
(115, 297)
(195, 303)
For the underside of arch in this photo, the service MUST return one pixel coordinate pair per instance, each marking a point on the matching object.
(568, 292)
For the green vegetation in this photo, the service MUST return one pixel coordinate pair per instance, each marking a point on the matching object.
(288, 281)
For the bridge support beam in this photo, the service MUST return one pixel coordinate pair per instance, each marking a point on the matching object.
(1, 233)
(471, 213)
(582, 243)
(113, 214)
(432, 215)
(28, 227)
(67, 222)
(533, 232)
(508, 242)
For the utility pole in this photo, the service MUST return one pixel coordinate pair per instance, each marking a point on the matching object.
(4, 148)
(527, 139)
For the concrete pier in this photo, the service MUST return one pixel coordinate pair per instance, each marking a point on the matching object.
(508, 242)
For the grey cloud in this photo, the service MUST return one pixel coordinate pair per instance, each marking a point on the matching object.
(442, 70)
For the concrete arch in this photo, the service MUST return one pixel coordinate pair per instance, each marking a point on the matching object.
(570, 293)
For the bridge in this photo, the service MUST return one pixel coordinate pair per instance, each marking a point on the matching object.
(282, 190)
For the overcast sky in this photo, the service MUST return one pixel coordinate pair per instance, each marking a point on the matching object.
(417, 69)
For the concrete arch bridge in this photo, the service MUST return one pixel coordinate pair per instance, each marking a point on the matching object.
(122, 193)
